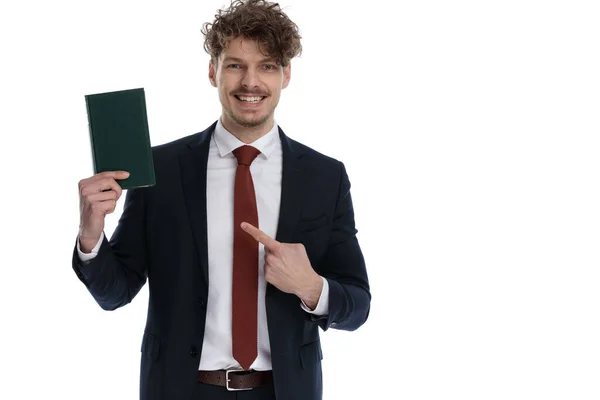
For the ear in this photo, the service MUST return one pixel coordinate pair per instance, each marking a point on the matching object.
(212, 74)
(287, 74)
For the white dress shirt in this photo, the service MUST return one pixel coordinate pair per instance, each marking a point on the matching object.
(266, 172)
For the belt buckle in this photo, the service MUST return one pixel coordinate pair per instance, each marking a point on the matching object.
(227, 381)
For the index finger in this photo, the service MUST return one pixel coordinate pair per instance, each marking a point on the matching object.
(261, 237)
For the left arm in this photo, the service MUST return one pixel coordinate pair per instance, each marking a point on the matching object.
(342, 301)
(344, 268)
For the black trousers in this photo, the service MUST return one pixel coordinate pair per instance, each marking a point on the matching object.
(204, 391)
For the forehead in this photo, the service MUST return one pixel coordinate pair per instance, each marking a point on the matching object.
(244, 49)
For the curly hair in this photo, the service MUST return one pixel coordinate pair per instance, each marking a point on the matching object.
(257, 20)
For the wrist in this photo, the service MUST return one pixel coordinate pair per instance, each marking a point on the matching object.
(311, 292)
(86, 246)
(87, 242)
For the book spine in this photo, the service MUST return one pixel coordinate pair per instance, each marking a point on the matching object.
(91, 132)
(147, 133)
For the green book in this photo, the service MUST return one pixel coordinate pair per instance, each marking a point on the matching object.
(119, 136)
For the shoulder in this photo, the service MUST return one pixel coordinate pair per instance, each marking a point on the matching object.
(175, 147)
(321, 168)
(171, 150)
(313, 157)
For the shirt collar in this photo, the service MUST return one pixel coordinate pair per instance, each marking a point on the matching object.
(227, 142)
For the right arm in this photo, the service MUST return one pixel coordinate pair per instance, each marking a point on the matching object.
(118, 272)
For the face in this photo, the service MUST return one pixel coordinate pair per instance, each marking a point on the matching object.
(249, 85)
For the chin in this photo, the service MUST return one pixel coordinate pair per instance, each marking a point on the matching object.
(249, 119)
(252, 123)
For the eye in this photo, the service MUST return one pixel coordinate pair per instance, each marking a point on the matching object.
(233, 66)
(270, 67)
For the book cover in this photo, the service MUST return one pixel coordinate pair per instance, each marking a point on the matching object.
(119, 136)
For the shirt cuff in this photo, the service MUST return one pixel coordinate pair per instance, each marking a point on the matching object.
(89, 256)
(322, 307)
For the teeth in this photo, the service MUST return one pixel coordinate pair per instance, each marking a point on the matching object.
(250, 99)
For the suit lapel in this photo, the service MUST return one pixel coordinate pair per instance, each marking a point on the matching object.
(292, 184)
(193, 163)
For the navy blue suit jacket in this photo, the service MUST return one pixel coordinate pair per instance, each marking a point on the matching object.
(161, 237)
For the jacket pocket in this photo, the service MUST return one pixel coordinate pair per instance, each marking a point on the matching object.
(151, 346)
(310, 354)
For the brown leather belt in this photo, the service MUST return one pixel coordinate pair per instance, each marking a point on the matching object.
(236, 380)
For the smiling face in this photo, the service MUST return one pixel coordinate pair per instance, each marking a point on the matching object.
(249, 85)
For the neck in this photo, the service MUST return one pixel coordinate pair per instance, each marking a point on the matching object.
(247, 134)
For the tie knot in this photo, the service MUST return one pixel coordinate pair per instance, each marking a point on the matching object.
(246, 154)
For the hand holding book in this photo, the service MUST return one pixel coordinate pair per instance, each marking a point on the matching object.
(98, 196)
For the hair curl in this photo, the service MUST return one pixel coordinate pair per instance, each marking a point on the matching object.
(257, 20)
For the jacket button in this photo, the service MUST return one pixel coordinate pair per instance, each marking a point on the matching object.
(194, 352)
(202, 303)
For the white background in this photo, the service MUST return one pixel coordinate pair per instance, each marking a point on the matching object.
(469, 130)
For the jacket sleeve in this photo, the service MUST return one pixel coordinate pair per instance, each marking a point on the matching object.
(119, 271)
(344, 268)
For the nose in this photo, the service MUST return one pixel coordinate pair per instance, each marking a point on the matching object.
(250, 79)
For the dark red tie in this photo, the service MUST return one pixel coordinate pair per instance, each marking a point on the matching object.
(244, 324)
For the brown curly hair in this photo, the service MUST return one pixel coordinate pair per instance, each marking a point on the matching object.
(257, 20)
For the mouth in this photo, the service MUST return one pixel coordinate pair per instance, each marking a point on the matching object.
(250, 99)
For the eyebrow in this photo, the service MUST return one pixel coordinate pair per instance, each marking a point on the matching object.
(239, 60)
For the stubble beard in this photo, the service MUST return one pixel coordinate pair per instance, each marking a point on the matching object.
(249, 124)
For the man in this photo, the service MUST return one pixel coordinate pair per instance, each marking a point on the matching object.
(247, 240)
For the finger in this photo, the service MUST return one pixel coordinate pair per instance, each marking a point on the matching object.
(261, 237)
(268, 273)
(103, 196)
(268, 276)
(102, 185)
(110, 184)
(112, 174)
(103, 207)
